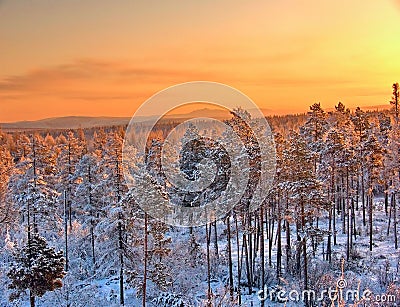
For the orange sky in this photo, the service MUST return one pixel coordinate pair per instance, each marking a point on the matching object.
(96, 57)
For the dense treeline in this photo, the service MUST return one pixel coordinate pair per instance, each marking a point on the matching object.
(335, 196)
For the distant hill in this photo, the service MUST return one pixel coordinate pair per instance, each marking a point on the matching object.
(74, 122)
(68, 122)
(206, 112)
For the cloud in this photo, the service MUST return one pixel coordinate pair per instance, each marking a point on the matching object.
(94, 98)
(93, 75)
(116, 88)
(95, 80)
(87, 87)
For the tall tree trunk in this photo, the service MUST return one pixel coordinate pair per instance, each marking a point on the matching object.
(353, 213)
(348, 236)
(305, 268)
(35, 226)
(370, 220)
(92, 216)
(69, 186)
(363, 198)
(262, 251)
(256, 241)
(121, 262)
(395, 220)
(386, 197)
(216, 240)
(298, 251)
(145, 262)
(351, 219)
(357, 194)
(288, 243)
(279, 245)
(230, 266)
(66, 230)
(270, 239)
(208, 241)
(31, 298)
(334, 225)
(331, 198)
(246, 250)
(92, 242)
(329, 244)
(348, 215)
(120, 231)
(303, 216)
(239, 261)
(390, 215)
(250, 250)
(343, 205)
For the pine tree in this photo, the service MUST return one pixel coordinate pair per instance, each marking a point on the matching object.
(113, 178)
(277, 196)
(395, 99)
(393, 172)
(385, 127)
(6, 169)
(37, 268)
(158, 250)
(305, 194)
(89, 194)
(32, 189)
(71, 151)
(314, 131)
(361, 127)
(374, 161)
(333, 152)
(340, 116)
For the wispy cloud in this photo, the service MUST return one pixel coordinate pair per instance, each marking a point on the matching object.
(94, 80)
(117, 88)
(95, 76)
(92, 73)
(87, 87)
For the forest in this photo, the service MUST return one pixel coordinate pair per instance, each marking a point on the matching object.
(72, 232)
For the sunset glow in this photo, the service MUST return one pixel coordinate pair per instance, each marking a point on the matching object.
(103, 58)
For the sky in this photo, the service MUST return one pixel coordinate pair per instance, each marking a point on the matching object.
(105, 58)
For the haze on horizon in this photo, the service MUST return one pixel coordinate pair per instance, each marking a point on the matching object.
(103, 58)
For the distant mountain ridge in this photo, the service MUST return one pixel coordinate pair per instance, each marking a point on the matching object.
(75, 122)
(67, 122)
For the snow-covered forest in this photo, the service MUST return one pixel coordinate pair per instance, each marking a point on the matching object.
(72, 234)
